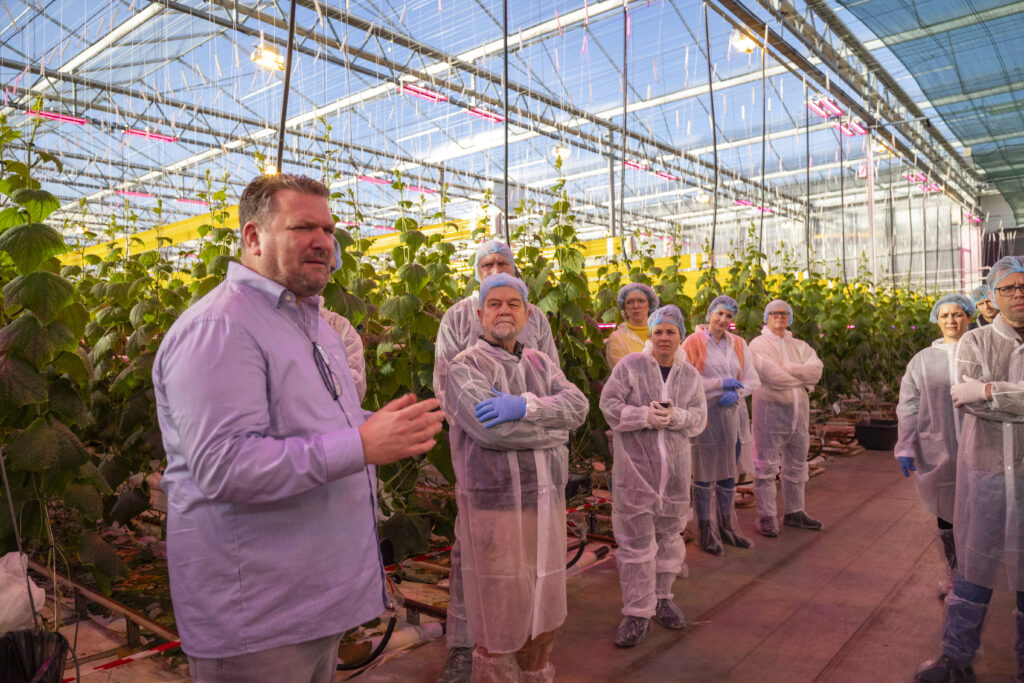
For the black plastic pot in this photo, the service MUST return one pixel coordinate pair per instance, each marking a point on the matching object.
(877, 435)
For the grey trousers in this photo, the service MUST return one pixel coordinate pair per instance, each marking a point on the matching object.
(313, 661)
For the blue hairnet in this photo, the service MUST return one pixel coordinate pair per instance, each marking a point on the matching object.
(626, 290)
(500, 280)
(777, 305)
(722, 301)
(980, 293)
(337, 255)
(667, 314)
(494, 247)
(1008, 265)
(958, 299)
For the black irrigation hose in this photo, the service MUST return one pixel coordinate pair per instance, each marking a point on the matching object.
(579, 554)
(376, 652)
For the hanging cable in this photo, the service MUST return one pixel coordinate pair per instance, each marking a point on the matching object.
(287, 87)
(764, 136)
(842, 203)
(504, 85)
(625, 100)
(807, 197)
(714, 137)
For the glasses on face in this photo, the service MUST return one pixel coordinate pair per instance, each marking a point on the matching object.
(323, 366)
(779, 314)
(1009, 290)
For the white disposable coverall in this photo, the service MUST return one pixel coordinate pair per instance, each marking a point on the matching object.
(353, 347)
(460, 329)
(714, 449)
(988, 521)
(788, 369)
(929, 426)
(651, 474)
(510, 488)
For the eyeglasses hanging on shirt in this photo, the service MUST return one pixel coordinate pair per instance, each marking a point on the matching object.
(323, 365)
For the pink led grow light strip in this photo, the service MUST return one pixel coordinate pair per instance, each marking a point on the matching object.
(133, 193)
(417, 188)
(742, 202)
(666, 175)
(843, 129)
(54, 116)
(375, 181)
(152, 136)
(813, 106)
(423, 93)
(634, 164)
(485, 115)
(830, 106)
(185, 200)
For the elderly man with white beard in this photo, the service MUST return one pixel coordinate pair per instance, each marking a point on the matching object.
(511, 411)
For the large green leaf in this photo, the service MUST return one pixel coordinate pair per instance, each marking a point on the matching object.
(73, 365)
(25, 337)
(414, 276)
(62, 338)
(66, 403)
(97, 553)
(71, 451)
(90, 474)
(20, 385)
(401, 309)
(43, 293)
(75, 316)
(10, 217)
(38, 203)
(409, 536)
(30, 244)
(85, 499)
(35, 449)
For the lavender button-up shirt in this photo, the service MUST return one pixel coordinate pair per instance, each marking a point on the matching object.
(271, 525)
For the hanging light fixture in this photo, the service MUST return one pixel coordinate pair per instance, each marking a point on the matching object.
(268, 58)
(741, 41)
(150, 135)
(54, 116)
(423, 93)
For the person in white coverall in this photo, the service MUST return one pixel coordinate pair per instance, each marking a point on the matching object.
(460, 329)
(654, 402)
(788, 369)
(727, 372)
(511, 411)
(988, 516)
(929, 426)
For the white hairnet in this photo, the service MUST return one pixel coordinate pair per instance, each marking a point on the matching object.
(958, 299)
(980, 293)
(1008, 265)
(626, 290)
(723, 301)
(777, 305)
(667, 314)
(500, 280)
(494, 247)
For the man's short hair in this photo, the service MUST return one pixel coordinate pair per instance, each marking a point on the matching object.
(258, 196)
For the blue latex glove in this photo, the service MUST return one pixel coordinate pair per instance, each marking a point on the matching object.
(907, 465)
(731, 384)
(728, 398)
(502, 408)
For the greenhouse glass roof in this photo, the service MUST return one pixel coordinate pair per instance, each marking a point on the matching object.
(149, 103)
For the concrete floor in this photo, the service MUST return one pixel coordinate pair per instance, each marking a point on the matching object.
(855, 602)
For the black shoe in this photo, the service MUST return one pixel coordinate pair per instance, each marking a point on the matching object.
(709, 541)
(669, 615)
(944, 670)
(458, 667)
(732, 538)
(766, 527)
(631, 631)
(800, 520)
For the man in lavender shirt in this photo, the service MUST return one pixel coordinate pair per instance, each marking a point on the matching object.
(271, 525)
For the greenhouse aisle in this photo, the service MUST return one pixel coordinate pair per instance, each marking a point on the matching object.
(856, 602)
